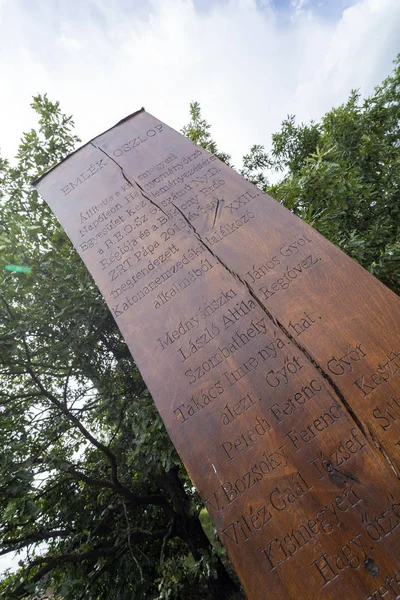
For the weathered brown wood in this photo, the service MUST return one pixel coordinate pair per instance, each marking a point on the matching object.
(273, 358)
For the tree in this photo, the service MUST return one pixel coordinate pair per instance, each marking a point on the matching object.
(342, 176)
(198, 130)
(91, 487)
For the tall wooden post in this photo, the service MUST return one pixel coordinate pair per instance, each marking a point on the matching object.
(273, 358)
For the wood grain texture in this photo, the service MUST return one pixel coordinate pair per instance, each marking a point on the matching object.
(273, 358)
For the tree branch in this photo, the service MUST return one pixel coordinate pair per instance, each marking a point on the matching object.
(18, 543)
(155, 499)
(51, 562)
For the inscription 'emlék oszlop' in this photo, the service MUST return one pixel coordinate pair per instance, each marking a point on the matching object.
(273, 358)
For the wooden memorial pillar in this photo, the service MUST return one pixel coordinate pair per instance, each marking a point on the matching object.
(273, 358)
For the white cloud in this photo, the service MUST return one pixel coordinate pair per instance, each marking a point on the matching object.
(299, 4)
(69, 42)
(358, 54)
(246, 67)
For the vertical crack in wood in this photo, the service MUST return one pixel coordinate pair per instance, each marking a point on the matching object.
(129, 181)
(278, 324)
(366, 431)
(382, 450)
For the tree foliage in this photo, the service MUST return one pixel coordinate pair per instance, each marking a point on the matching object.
(342, 176)
(92, 493)
(198, 130)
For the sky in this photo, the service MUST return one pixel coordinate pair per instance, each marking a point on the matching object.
(249, 63)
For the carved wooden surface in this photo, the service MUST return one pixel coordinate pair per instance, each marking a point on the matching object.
(273, 358)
